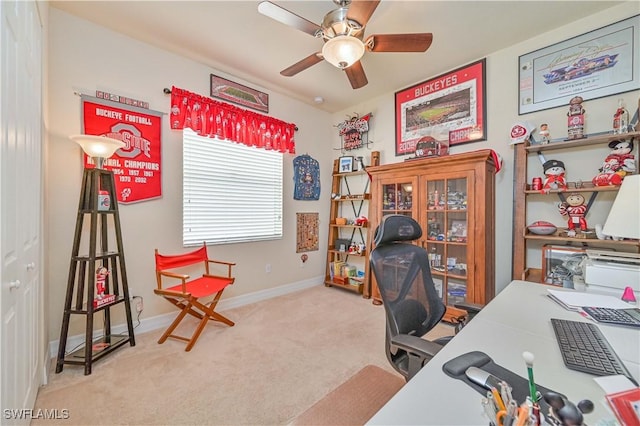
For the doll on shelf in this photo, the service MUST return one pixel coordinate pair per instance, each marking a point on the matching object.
(574, 208)
(554, 176)
(619, 163)
(545, 135)
(101, 281)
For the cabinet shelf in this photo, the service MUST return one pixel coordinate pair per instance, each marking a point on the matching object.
(118, 300)
(346, 253)
(99, 348)
(591, 140)
(352, 287)
(357, 197)
(105, 255)
(592, 241)
(572, 187)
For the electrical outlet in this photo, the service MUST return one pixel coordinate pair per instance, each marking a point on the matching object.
(139, 305)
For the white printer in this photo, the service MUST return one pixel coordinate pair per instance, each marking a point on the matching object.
(609, 272)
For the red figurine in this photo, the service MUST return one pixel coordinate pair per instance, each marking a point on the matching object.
(554, 175)
(101, 279)
(619, 163)
(575, 208)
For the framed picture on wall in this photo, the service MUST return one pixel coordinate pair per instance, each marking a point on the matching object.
(599, 63)
(448, 108)
(345, 164)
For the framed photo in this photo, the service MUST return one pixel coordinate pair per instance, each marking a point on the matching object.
(599, 63)
(237, 93)
(448, 108)
(345, 164)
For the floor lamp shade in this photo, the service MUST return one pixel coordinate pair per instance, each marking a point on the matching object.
(98, 147)
(624, 217)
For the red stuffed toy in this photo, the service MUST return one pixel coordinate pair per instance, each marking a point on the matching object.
(619, 163)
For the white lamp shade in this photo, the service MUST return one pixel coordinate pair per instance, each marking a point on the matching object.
(624, 216)
(98, 146)
(343, 51)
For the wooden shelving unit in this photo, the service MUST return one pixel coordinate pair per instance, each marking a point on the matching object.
(522, 190)
(81, 285)
(351, 201)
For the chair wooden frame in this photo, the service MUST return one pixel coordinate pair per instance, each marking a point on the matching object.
(186, 295)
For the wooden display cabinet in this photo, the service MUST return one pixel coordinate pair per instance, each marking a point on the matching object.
(452, 197)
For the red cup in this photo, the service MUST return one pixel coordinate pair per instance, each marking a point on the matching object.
(536, 184)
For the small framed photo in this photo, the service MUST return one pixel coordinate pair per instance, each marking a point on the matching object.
(342, 244)
(345, 164)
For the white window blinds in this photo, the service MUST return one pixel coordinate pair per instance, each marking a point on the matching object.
(231, 192)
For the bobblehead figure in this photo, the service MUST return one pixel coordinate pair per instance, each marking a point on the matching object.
(554, 178)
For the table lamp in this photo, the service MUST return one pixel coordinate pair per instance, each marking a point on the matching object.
(99, 148)
(624, 217)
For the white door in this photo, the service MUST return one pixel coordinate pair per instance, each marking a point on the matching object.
(21, 346)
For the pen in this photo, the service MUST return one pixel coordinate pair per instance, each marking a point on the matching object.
(528, 358)
(505, 392)
(492, 403)
(498, 399)
(523, 415)
(489, 411)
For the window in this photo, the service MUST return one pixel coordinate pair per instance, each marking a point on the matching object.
(231, 192)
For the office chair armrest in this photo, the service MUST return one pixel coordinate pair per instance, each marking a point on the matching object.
(415, 344)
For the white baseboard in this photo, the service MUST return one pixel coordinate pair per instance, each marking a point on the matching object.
(162, 321)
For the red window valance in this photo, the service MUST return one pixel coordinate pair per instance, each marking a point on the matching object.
(208, 117)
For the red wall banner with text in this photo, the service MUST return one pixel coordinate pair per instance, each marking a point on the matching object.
(136, 167)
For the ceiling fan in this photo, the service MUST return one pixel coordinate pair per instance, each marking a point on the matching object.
(342, 30)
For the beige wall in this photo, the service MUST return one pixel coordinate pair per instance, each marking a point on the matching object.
(502, 113)
(84, 57)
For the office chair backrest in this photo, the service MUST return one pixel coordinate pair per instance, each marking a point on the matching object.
(412, 304)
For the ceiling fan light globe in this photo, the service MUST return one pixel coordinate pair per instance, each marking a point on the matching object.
(343, 51)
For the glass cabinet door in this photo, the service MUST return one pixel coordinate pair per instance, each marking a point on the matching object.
(397, 198)
(445, 235)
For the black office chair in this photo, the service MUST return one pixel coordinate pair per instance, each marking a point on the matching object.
(411, 302)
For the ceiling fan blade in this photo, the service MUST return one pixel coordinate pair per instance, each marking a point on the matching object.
(361, 10)
(418, 42)
(302, 65)
(356, 75)
(286, 17)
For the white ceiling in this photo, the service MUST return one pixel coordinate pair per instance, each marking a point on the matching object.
(231, 36)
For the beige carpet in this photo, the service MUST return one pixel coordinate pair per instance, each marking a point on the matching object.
(282, 356)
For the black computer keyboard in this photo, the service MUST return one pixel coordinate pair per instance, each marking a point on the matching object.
(584, 348)
(629, 317)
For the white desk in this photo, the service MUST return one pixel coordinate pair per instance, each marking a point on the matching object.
(517, 320)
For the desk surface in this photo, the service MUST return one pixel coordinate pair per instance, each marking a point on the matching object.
(517, 320)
